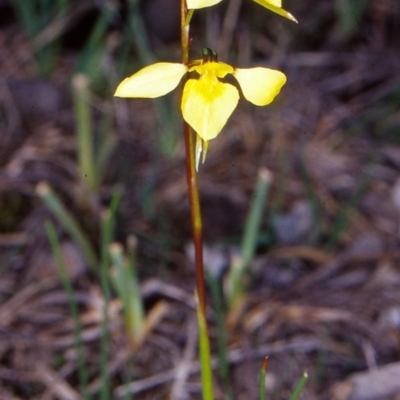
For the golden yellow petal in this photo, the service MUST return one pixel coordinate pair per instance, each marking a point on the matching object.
(260, 85)
(217, 69)
(276, 3)
(152, 81)
(275, 6)
(195, 4)
(207, 105)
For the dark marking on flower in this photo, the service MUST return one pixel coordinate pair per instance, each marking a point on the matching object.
(209, 55)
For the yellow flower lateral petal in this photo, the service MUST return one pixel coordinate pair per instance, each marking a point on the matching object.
(260, 85)
(152, 81)
(276, 7)
(276, 3)
(207, 105)
(196, 4)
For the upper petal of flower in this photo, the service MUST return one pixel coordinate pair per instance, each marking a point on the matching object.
(214, 68)
(260, 85)
(152, 81)
(276, 7)
(207, 104)
(195, 4)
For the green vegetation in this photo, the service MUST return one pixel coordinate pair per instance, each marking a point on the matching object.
(107, 176)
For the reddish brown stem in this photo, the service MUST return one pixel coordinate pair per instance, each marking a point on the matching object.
(192, 181)
(197, 228)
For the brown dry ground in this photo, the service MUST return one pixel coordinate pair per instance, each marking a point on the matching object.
(324, 291)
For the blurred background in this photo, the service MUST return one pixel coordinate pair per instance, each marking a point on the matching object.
(323, 288)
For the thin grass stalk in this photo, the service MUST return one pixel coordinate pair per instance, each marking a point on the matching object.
(82, 368)
(90, 61)
(137, 301)
(107, 235)
(222, 340)
(25, 10)
(312, 197)
(107, 144)
(263, 374)
(125, 281)
(137, 30)
(105, 334)
(349, 14)
(36, 16)
(68, 222)
(250, 235)
(299, 387)
(84, 130)
(132, 244)
(342, 219)
(254, 219)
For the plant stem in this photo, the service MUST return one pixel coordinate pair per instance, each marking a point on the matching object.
(192, 180)
(193, 193)
(184, 32)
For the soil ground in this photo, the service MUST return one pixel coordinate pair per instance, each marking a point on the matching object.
(324, 288)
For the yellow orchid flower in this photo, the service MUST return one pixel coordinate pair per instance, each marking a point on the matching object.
(208, 100)
(272, 5)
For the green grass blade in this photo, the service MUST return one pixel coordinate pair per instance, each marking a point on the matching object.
(136, 299)
(68, 222)
(313, 199)
(349, 14)
(90, 61)
(343, 218)
(250, 235)
(222, 341)
(26, 12)
(127, 286)
(106, 146)
(107, 235)
(84, 131)
(82, 369)
(299, 387)
(254, 218)
(108, 226)
(36, 17)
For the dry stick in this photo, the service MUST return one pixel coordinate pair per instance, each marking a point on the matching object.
(183, 368)
(56, 383)
(235, 356)
(192, 180)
